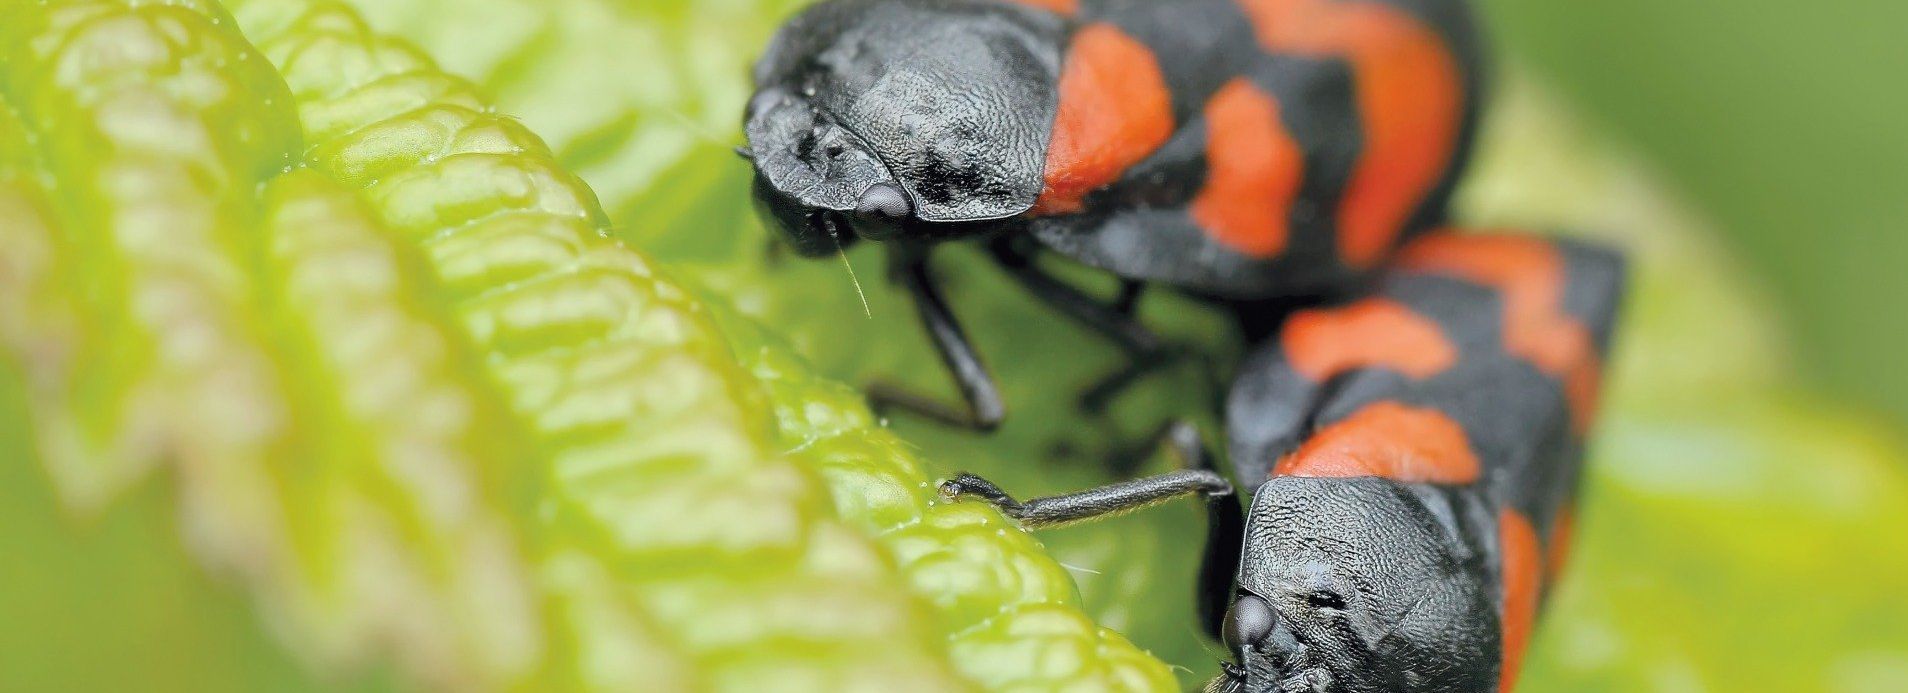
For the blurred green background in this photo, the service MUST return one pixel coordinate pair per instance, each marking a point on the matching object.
(1787, 124)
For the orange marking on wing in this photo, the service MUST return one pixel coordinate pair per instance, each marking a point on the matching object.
(1529, 273)
(1557, 549)
(1583, 383)
(1389, 440)
(1063, 7)
(1410, 97)
(1253, 171)
(1114, 111)
(1373, 332)
(1517, 542)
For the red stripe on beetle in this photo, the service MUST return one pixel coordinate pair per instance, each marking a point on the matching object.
(1062, 7)
(1115, 110)
(1529, 273)
(1390, 440)
(1410, 101)
(1253, 171)
(1519, 575)
(1557, 547)
(1375, 332)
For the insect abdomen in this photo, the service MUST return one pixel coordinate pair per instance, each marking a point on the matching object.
(1284, 131)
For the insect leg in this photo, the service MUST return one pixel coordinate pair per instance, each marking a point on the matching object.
(984, 409)
(1101, 393)
(1225, 530)
(1146, 351)
(1113, 322)
(1128, 300)
(1225, 518)
(1094, 503)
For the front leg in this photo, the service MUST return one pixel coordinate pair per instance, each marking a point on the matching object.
(1102, 501)
(984, 409)
(1224, 514)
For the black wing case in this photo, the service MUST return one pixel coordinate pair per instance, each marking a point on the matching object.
(1468, 379)
(1249, 198)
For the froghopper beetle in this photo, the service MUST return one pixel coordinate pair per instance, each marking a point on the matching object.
(1239, 150)
(1413, 458)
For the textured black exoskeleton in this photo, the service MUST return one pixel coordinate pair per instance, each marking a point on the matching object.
(1239, 150)
(1412, 457)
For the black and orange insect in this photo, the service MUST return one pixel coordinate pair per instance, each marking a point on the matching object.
(1242, 150)
(1413, 457)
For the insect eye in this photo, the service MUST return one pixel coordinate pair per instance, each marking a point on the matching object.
(1325, 599)
(1248, 622)
(884, 200)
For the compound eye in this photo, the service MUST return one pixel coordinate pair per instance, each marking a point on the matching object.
(1248, 622)
(884, 200)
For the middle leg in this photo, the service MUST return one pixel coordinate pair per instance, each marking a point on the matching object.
(1146, 352)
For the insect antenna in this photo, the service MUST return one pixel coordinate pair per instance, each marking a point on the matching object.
(841, 252)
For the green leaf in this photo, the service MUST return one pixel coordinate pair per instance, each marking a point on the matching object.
(376, 346)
